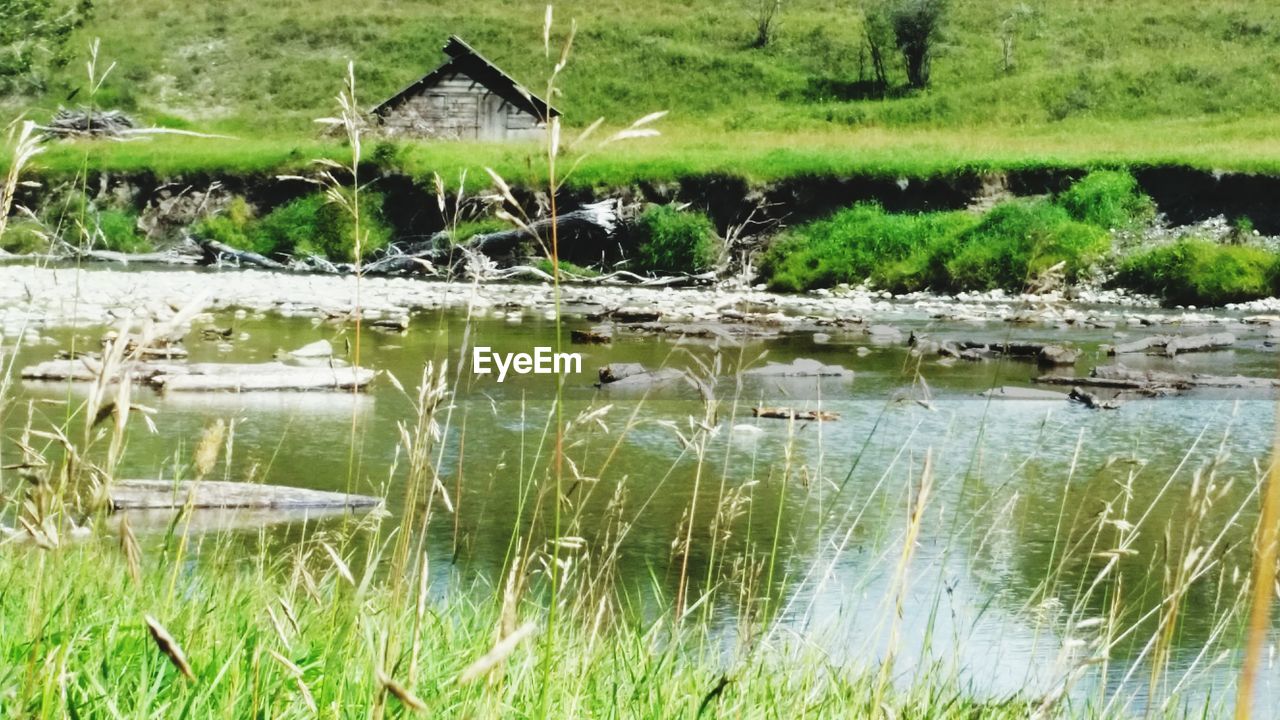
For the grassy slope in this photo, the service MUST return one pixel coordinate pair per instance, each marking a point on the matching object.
(1139, 81)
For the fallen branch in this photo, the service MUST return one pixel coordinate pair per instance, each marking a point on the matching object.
(215, 252)
(784, 413)
(167, 494)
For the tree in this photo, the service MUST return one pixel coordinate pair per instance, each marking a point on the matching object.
(877, 34)
(917, 26)
(34, 36)
(764, 13)
(912, 26)
(1013, 20)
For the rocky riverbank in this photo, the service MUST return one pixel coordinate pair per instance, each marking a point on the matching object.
(34, 298)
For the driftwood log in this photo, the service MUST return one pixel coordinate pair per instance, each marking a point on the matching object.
(785, 413)
(580, 236)
(85, 122)
(1171, 345)
(167, 494)
(1044, 354)
(217, 252)
(1120, 377)
(234, 377)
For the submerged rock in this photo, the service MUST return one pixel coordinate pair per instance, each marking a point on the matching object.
(635, 375)
(317, 349)
(800, 367)
(1058, 355)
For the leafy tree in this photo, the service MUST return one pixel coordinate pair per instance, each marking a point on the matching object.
(764, 14)
(34, 35)
(914, 27)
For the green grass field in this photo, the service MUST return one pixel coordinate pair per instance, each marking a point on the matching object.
(1140, 82)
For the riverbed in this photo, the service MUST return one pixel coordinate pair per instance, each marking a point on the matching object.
(1002, 587)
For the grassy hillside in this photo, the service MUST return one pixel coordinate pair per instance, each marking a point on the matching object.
(1141, 80)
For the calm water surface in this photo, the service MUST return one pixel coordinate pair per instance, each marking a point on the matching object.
(1016, 484)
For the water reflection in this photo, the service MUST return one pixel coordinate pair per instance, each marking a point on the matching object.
(1027, 497)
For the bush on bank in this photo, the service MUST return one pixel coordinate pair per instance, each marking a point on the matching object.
(668, 240)
(1195, 271)
(309, 225)
(898, 250)
(1009, 246)
(1109, 199)
(1017, 241)
(949, 251)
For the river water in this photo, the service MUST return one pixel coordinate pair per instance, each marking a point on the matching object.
(1047, 530)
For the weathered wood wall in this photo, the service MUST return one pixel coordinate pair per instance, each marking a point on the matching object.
(457, 108)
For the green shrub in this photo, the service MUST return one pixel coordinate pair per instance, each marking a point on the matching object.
(24, 236)
(232, 227)
(118, 230)
(1109, 199)
(1195, 271)
(671, 240)
(1017, 240)
(898, 251)
(313, 225)
(544, 265)
(468, 229)
(942, 251)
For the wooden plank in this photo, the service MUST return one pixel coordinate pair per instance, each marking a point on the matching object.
(284, 377)
(162, 494)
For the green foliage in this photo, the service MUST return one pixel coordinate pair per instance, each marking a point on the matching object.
(915, 26)
(1108, 199)
(34, 37)
(468, 229)
(672, 240)
(313, 225)
(257, 69)
(232, 227)
(899, 251)
(118, 231)
(942, 251)
(23, 236)
(1018, 240)
(1195, 271)
(545, 266)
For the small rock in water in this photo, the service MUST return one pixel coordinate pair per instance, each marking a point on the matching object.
(820, 338)
(394, 323)
(801, 367)
(884, 334)
(1058, 355)
(317, 349)
(863, 351)
(598, 335)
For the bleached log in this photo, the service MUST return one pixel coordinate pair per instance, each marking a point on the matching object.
(275, 377)
(1123, 378)
(234, 377)
(216, 252)
(785, 413)
(167, 494)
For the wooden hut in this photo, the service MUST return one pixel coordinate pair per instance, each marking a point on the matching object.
(466, 98)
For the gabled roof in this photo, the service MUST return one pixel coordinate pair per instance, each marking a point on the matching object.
(464, 60)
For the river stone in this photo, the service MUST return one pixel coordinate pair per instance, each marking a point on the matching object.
(884, 331)
(1058, 355)
(800, 367)
(317, 349)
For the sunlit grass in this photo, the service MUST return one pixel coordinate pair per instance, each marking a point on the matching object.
(1242, 145)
